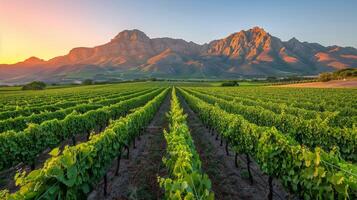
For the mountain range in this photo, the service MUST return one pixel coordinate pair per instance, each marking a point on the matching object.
(132, 54)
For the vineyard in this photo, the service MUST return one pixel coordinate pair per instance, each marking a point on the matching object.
(178, 141)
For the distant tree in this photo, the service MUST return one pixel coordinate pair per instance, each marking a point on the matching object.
(87, 82)
(272, 78)
(345, 73)
(326, 76)
(230, 83)
(35, 85)
(339, 74)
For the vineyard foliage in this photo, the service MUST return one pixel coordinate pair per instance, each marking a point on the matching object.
(25, 145)
(304, 138)
(311, 173)
(71, 174)
(186, 181)
(312, 132)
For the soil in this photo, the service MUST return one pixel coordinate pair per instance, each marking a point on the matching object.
(349, 83)
(138, 175)
(228, 181)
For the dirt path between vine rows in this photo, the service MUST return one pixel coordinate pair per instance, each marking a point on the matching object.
(137, 177)
(228, 181)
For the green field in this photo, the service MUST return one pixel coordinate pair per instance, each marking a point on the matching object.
(67, 142)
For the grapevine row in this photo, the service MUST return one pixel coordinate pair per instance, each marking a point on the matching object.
(71, 174)
(15, 100)
(20, 123)
(320, 100)
(336, 119)
(186, 181)
(311, 174)
(24, 146)
(312, 133)
(38, 98)
(54, 107)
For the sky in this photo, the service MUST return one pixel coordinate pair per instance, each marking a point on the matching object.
(49, 28)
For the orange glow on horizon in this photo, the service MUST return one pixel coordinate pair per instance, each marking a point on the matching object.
(44, 30)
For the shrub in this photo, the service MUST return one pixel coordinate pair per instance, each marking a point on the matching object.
(339, 74)
(35, 85)
(87, 82)
(230, 83)
(345, 73)
(324, 77)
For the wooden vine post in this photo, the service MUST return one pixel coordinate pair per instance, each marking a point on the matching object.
(105, 184)
(270, 181)
(227, 147)
(248, 167)
(118, 165)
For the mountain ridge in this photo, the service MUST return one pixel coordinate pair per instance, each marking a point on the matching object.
(132, 54)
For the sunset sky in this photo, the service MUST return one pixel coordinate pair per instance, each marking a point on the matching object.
(48, 28)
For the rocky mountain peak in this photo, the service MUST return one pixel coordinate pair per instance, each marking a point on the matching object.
(293, 41)
(131, 35)
(257, 30)
(32, 61)
(250, 34)
(245, 45)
